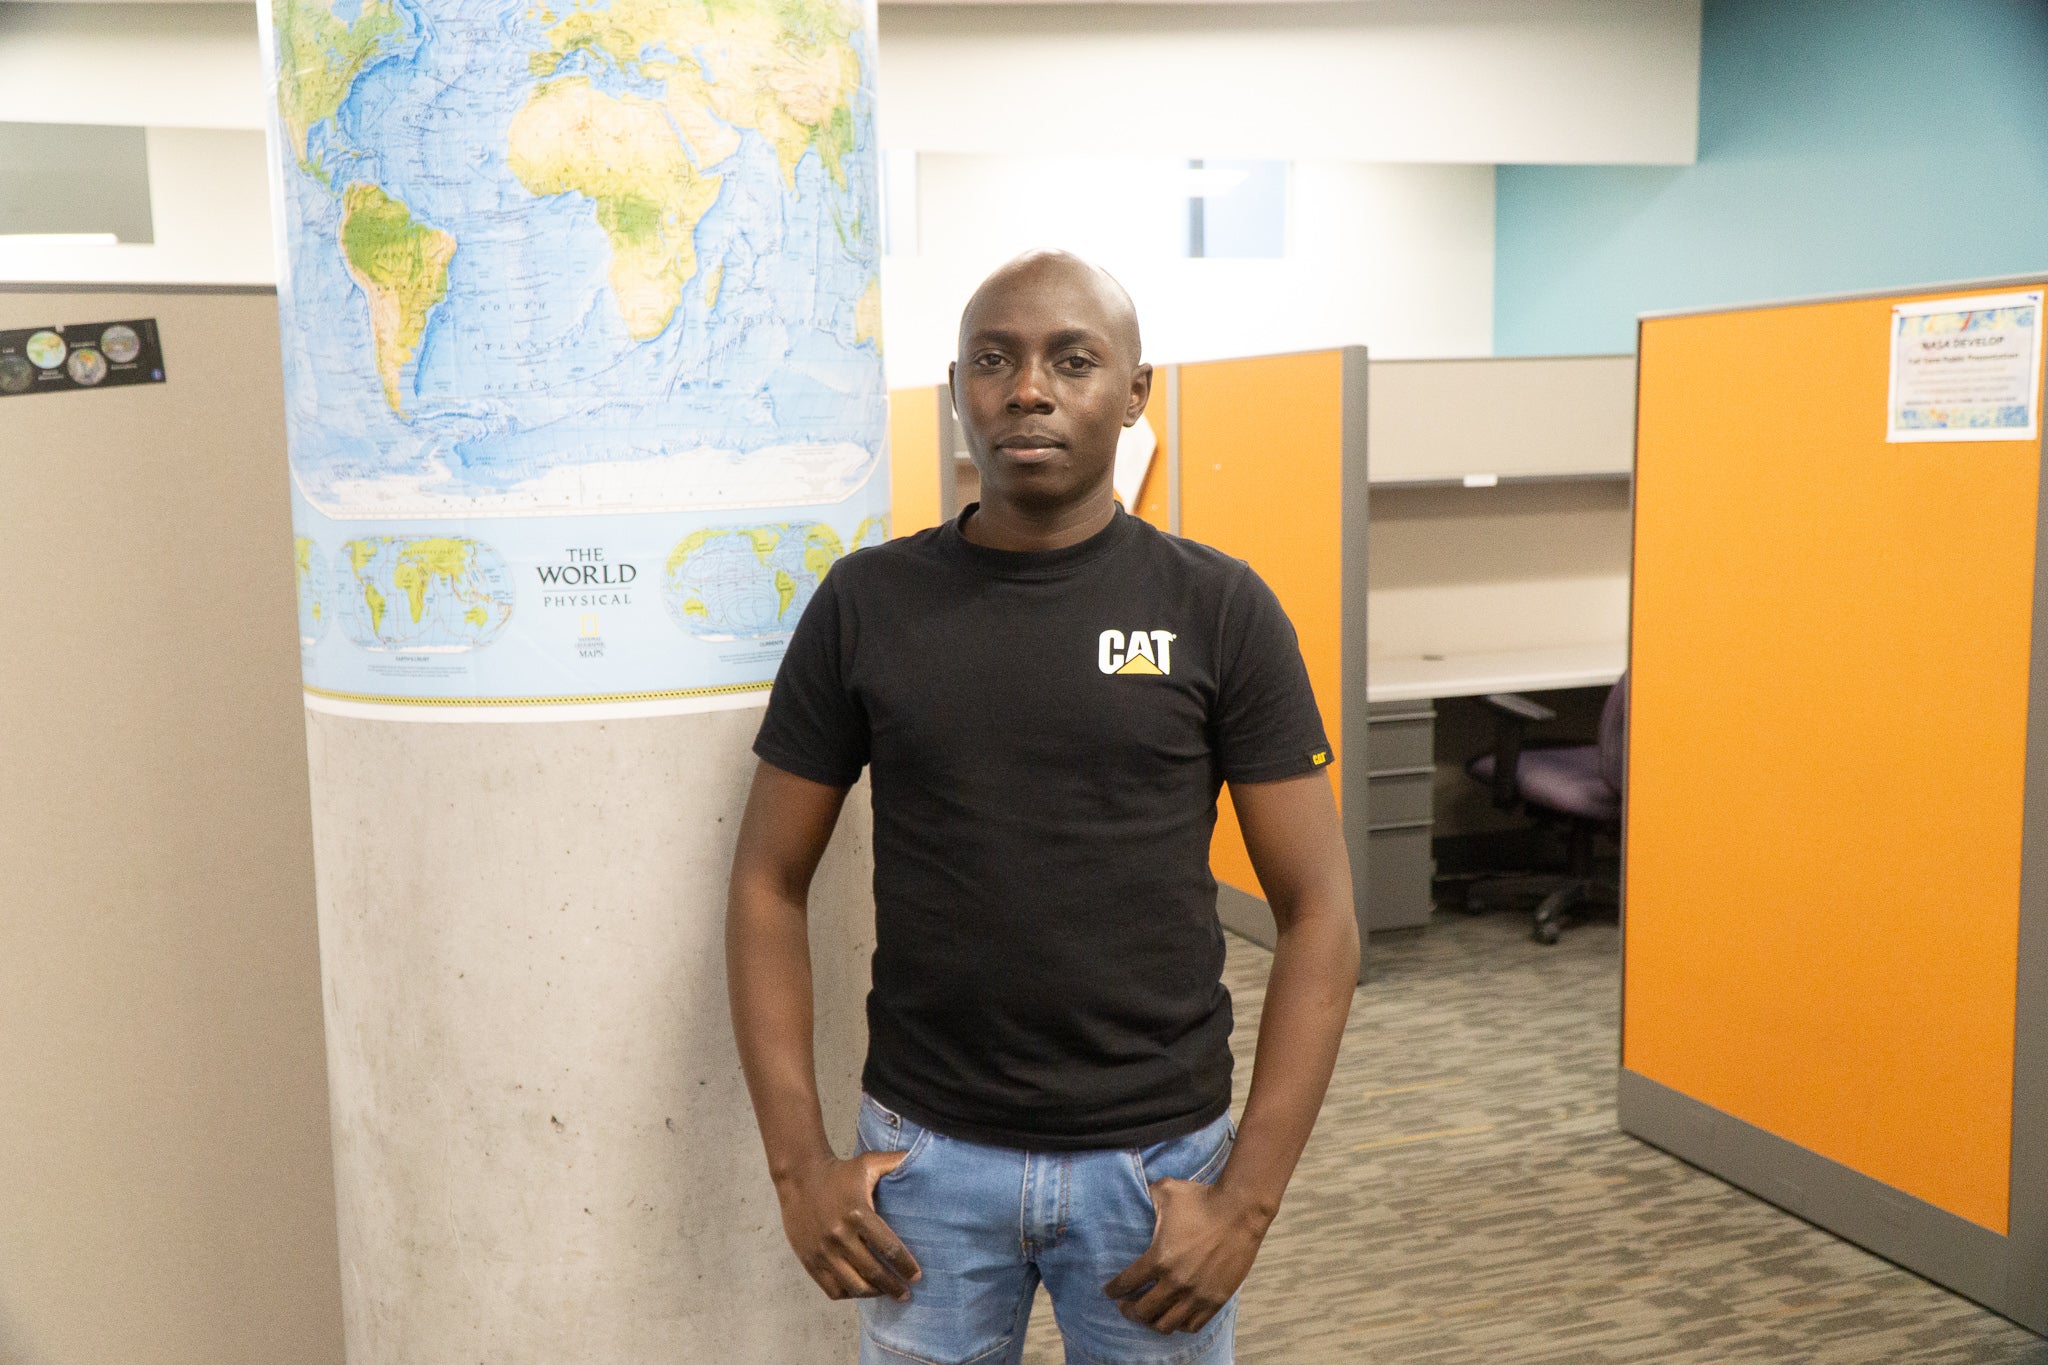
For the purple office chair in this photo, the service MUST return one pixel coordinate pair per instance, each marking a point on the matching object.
(1580, 786)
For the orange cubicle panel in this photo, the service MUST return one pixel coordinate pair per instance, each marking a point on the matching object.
(1832, 661)
(1262, 478)
(1152, 504)
(913, 460)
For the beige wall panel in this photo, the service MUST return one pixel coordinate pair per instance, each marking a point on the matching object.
(1531, 566)
(1445, 419)
(168, 1195)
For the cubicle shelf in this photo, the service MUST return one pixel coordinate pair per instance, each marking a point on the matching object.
(1498, 480)
(1526, 418)
(1505, 480)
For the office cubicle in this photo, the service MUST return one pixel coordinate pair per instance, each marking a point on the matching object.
(1836, 927)
(1500, 544)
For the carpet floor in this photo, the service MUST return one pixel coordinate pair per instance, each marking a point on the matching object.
(1468, 1198)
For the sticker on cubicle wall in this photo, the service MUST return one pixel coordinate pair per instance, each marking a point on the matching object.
(80, 355)
(1966, 369)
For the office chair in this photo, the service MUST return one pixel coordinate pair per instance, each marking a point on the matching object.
(1580, 786)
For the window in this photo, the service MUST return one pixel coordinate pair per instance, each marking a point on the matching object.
(1237, 208)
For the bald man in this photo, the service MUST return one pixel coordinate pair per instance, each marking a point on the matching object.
(1048, 695)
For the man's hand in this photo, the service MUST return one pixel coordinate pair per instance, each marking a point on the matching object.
(828, 1214)
(1202, 1248)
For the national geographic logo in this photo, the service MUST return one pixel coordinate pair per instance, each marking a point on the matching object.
(586, 581)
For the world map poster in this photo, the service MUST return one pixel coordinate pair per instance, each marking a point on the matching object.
(582, 342)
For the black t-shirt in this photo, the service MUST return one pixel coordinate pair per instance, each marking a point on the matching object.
(1047, 733)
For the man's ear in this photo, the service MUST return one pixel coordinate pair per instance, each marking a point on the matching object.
(1141, 394)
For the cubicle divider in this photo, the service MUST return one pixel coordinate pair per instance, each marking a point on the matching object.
(1272, 467)
(171, 1186)
(1836, 932)
(914, 465)
(1263, 458)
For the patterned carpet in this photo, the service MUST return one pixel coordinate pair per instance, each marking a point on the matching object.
(1467, 1197)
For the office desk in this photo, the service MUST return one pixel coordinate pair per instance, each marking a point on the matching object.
(1400, 754)
(1509, 670)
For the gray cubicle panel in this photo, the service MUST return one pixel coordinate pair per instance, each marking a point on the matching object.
(170, 1194)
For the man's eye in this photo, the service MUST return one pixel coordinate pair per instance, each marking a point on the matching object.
(987, 360)
(1077, 362)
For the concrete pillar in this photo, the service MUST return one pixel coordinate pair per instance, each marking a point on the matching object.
(543, 1147)
(579, 308)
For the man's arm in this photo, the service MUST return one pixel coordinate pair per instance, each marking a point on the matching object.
(828, 1205)
(1207, 1235)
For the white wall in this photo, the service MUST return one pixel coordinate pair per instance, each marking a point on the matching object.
(1399, 258)
(146, 65)
(1355, 80)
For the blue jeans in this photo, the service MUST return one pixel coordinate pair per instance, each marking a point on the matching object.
(987, 1224)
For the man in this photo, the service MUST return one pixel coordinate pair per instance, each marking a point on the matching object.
(1049, 694)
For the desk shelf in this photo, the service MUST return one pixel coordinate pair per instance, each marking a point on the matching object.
(1622, 476)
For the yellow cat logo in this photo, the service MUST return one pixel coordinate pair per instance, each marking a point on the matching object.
(1143, 651)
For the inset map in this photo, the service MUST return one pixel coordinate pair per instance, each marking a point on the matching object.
(423, 594)
(753, 582)
(316, 590)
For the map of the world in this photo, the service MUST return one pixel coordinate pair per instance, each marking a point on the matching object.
(564, 292)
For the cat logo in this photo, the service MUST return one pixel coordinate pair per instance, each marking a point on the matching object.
(1148, 651)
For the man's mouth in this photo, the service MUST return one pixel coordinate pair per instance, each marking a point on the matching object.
(1030, 447)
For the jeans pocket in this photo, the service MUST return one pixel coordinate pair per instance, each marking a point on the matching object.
(1213, 1167)
(875, 1129)
(1199, 1156)
(882, 1129)
(917, 1148)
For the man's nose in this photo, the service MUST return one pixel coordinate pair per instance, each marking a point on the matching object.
(1033, 390)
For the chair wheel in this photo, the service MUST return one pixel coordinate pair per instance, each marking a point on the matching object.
(1546, 931)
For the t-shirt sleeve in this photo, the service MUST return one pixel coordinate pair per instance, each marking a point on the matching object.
(815, 728)
(1267, 726)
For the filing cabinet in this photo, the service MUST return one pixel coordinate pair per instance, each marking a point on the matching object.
(1400, 754)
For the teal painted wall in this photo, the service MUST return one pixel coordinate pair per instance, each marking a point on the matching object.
(1844, 145)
